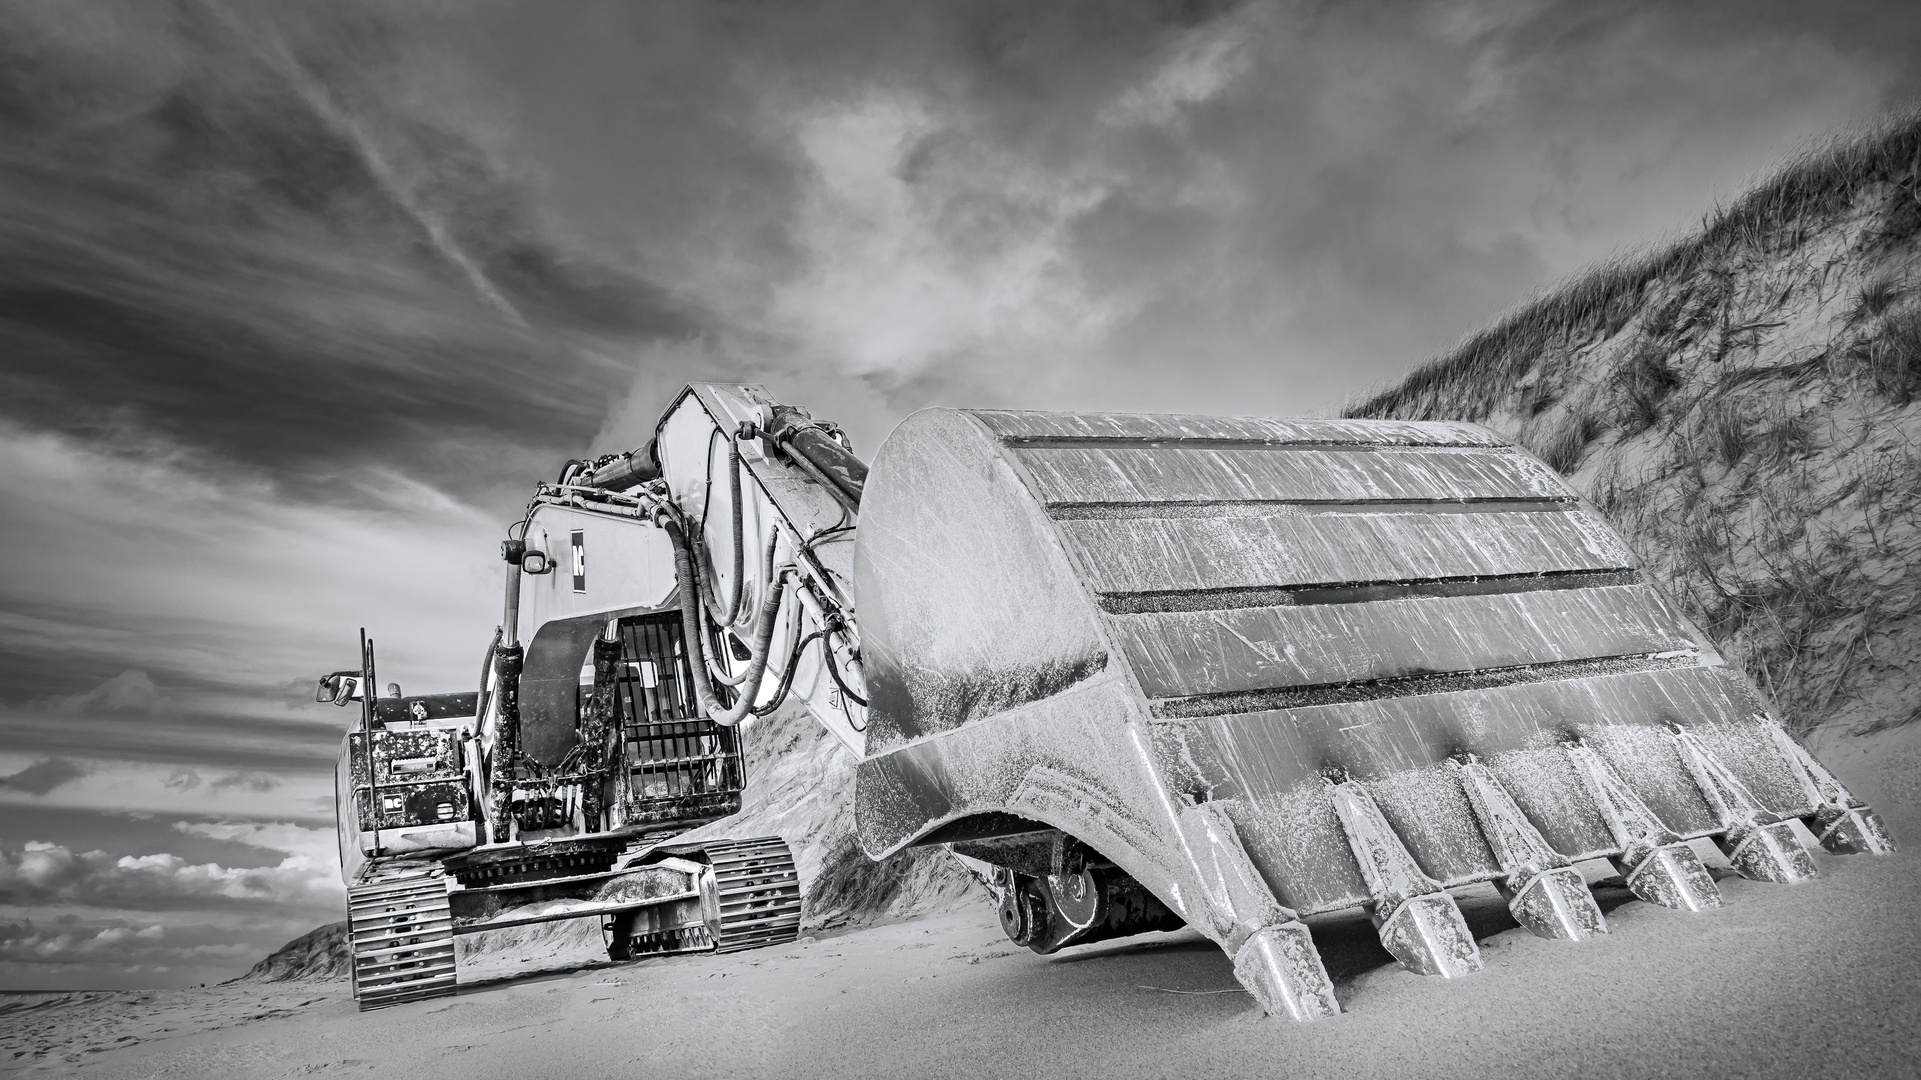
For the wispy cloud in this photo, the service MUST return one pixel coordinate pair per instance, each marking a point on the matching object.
(115, 784)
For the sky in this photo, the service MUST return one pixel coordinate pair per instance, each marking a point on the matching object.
(297, 302)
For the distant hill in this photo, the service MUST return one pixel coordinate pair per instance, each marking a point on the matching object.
(1742, 405)
(321, 953)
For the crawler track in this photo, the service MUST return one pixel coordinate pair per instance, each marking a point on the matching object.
(759, 893)
(402, 935)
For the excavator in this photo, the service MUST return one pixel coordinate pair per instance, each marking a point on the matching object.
(1139, 672)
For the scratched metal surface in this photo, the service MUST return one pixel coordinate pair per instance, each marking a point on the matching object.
(1160, 554)
(1177, 653)
(1021, 425)
(1122, 474)
(967, 605)
(1268, 765)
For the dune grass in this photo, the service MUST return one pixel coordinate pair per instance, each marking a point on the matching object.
(1773, 219)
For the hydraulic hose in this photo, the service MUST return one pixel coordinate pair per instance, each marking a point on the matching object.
(766, 574)
(739, 591)
(690, 623)
(787, 676)
(827, 648)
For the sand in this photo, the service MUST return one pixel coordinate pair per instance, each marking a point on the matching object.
(1822, 978)
(1815, 979)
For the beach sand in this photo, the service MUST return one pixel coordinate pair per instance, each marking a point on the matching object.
(1817, 979)
(1822, 978)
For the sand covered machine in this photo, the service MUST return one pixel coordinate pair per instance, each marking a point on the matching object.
(1137, 672)
(1234, 672)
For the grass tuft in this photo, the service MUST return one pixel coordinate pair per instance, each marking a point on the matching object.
(1727, 432)
(1568, 442)
(1888, 362)
(1879, 295)
(1645, 381)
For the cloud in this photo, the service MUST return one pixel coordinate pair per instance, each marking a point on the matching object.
(43, 776)
(230, 244)
(23, 942)
(1260, 206)
(298, 243)
(217, 596)
(182, 780)
(41, 873)
(91, 918)
(171, 792)
(130, 691)
(283, 836)
(252, 780)
(94, 953)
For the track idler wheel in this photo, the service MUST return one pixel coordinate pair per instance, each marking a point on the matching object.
(758, 892)
(1076, 906)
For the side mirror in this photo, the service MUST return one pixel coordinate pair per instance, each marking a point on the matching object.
(536, 561)
(338, 688)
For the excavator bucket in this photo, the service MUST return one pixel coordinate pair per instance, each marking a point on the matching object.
(1262, 669)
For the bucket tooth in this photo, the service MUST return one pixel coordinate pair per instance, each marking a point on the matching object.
(1672, 876)
(1855, 830)
(1281, 968)
(1659, 866)
(1429, 936)
(1760, 844)
(1544, 892)
(1842, 823)
(1417, 920)
(1274, 956)
(1771, 852)
(1557, 904)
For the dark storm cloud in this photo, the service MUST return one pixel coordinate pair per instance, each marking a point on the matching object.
(43, 776)
(223, 235)
(311, 238)
(1263, 206)
(224, 726)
